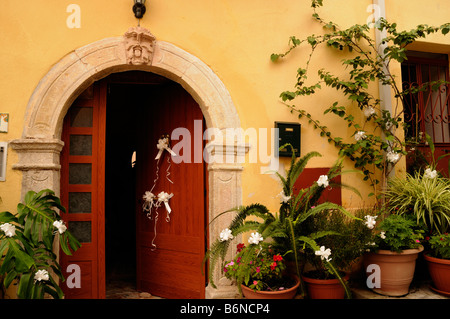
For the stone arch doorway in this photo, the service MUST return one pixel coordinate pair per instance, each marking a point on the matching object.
(40, 146)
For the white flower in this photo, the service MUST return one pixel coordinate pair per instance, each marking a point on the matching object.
(59, 224)
(8, 229)
(388, 125)
(41, 275)
(383, 235)
(420, 136)
(360, 135)
(369, 111)
(430, 173)
(255, 238)
(284, 198)
(225, 235)
(370, 221)
(392, 157)
(324, 253)
(323, 181)
(370, 244)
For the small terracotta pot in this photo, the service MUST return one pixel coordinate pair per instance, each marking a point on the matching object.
(280, 294)
(325, 288)
(439, 270)
(396, 270)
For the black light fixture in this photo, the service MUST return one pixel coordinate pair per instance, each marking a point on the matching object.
(139, 8)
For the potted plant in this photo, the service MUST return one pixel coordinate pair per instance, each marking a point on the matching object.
(346, 244)
(395, 248)
(27, 243)
(426, 196)
(261, 271)
(282, 229)
(325, 281)
(438, 261)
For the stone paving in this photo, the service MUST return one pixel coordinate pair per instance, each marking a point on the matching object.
(125, 290)
(421, 290)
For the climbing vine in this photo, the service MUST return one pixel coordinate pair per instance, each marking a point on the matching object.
(373, 147)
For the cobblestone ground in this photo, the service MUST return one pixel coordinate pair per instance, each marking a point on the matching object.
(125, 290)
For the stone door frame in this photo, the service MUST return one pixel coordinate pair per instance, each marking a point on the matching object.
(40, 146)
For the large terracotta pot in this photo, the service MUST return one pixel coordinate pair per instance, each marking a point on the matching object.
(325, 288)
(396, 270)
(439, 270)
(280, 294)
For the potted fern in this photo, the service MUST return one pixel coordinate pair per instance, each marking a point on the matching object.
(282, 229)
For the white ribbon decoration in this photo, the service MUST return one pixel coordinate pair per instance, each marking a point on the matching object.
(164, 197)
(148, 203)
(163, 144)
(150, 200)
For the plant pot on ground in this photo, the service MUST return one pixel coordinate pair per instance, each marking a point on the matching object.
(324, 281)
(347, 239)
(396, 270)
(391, 264)
(286, 290)
(261, 272)
(438, 261)
(330, 288)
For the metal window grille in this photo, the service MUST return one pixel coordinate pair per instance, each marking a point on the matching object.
(427, 109)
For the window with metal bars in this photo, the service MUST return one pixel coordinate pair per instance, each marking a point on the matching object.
(426, 107)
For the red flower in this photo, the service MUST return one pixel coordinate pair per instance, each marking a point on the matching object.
(240, 247)
(273, 266)
(277, 258)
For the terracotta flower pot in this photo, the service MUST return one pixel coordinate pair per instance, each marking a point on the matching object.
(396, 270)
(279, 294)
(325, 288)
(439, 270)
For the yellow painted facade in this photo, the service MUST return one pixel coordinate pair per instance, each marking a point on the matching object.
(234, 38)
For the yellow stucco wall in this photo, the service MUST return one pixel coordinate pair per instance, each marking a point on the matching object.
(234, 38)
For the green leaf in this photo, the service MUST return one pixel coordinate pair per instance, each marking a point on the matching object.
(9, 278)
(7, 217)
(23, 260)
(25, 282)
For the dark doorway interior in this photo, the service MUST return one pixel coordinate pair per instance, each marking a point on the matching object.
(123, 105)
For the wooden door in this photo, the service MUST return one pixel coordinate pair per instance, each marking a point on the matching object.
(82, 191)
(169, 260)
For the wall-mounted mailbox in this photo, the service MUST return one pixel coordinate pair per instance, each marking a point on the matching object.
(288, 133)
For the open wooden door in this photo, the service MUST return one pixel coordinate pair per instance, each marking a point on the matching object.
(169, 260)
(82, 191)
(173, 269)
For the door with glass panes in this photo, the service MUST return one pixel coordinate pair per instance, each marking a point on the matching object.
(82, 190)
(122, 111)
